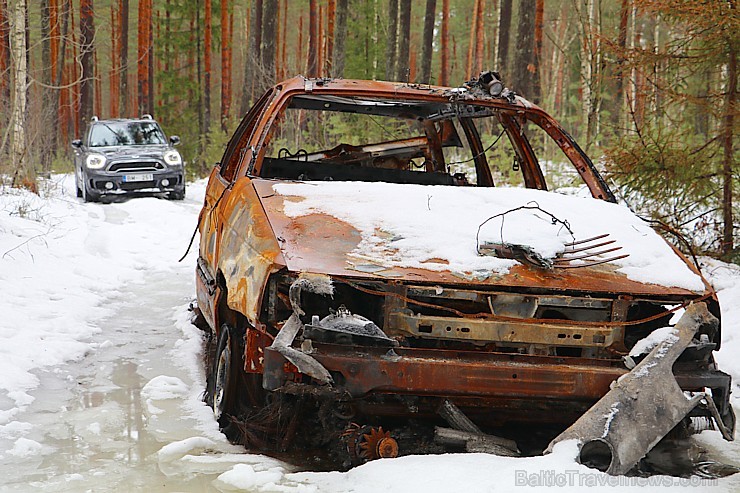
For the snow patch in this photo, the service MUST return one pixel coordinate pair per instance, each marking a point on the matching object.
(646, 344)
(435, 227)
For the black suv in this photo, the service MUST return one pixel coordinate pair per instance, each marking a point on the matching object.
(127, 156)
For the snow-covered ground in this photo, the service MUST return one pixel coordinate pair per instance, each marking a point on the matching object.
(100, 375)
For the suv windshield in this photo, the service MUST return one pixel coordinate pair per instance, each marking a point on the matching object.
(126, 133)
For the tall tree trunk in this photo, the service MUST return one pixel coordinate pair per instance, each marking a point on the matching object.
(283, 43)
(728, 163)
(225, 63)
(621, 59)
(269, 34)
(150, 58)
(75, 74)
(207, 50)
(87, 84)
(390, 50)
(404, 41)
(502, 57)
(340, 38)
(313, 42)
(536, 71)
(523, 81)
(24, 175)
(123, 6)
(588, 63)
(252, 73)
(430, 13)
(98, 87)
(331, 15)
(4, 52)
(142, 75)
(61, 78)
(320, 59)
(444, 62)
(656, 107)
(471, 41)
(47, 92)
(114, 68)
(479, 38)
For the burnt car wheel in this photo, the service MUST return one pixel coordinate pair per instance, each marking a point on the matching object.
(225, 376)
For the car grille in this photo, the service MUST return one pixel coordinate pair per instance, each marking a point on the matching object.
(138, 166)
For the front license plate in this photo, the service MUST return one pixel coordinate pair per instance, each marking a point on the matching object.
(140, 177)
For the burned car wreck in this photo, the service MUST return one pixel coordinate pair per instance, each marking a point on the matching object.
(375, 254)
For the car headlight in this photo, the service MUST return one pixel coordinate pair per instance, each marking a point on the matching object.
(95, 161)
(172, 158)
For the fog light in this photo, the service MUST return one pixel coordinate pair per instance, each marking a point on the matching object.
(109, 185)
(165, 182)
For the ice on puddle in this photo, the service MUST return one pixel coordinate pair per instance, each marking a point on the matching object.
(162, 388)
(24, 447)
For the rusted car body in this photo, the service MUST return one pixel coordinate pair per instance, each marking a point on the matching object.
(377, 339)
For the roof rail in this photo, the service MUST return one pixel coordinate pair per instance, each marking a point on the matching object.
(146, 116)
(93, 118)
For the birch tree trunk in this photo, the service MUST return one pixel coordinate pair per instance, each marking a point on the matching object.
(24, 175)
(4, 52)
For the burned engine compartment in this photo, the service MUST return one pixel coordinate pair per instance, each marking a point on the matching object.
(492, 350)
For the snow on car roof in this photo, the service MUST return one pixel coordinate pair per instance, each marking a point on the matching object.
(436, 227)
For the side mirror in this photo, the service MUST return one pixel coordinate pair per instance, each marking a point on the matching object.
(77, 143)
(174, 140)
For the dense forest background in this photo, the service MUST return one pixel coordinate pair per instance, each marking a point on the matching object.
(648, 87)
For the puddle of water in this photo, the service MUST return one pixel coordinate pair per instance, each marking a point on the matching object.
(93, 430)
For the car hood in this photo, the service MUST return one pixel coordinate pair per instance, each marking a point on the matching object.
(430, 234)
(132, 152)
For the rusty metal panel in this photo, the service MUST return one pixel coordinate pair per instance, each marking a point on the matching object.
(248, 252)
(466, 329)
(457, 373)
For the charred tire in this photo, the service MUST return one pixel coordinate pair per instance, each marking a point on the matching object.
(225, 376)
